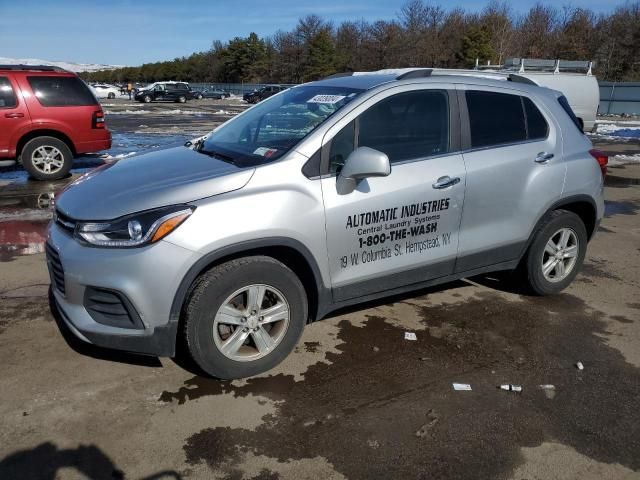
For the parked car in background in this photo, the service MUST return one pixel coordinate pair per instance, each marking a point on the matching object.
(164, 91)
(333, 193)
(261, 93)
(214, 93)
(47, 116)
(103, 90)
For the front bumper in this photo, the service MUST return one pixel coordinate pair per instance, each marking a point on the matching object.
(147, 277)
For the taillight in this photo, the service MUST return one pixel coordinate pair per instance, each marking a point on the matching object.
(98, 119)
(601, 158)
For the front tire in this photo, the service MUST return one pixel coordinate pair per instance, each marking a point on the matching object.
(244, 317)
(111, 96)
(47, 158)
(147, 99)
(556, 253)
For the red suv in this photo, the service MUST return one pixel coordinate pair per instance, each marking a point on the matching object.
(47, 116)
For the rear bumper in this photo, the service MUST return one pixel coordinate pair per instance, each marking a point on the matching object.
(103, 142)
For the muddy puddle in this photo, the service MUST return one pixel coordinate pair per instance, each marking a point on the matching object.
(23, 223)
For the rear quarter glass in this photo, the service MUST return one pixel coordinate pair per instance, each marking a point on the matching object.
(564, 103)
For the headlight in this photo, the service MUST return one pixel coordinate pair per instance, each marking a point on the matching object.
(134, 230)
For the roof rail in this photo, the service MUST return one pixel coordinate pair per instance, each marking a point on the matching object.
(338, 75)
(418, 73)
(41, 68)
(520, 79)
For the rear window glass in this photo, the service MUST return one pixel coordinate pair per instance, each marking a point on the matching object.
(495, 118)
(564, 103)
(7, 96)
(537, 126)
(61, 91)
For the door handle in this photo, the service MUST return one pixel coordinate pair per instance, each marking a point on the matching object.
(14, 115)
(543, 157)
(446, 181)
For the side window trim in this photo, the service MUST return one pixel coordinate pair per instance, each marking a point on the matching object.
(454, 124)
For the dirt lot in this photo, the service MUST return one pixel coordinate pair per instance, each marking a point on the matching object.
(355, 400)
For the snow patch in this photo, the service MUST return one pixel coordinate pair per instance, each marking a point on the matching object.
(624, 159)
(71, 66)
(613, 130)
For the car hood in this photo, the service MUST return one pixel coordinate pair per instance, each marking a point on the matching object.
(166, 177)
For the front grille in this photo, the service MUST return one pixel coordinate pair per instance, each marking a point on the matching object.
(65, 222)
(55, 267)
(110, 307)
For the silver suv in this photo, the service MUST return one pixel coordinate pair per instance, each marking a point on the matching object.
(328, 194)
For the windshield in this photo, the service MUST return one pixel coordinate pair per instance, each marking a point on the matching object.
(273, 127)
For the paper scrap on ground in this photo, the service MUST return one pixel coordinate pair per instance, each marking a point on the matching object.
(461, 386)
(579, 366)
(410, 336)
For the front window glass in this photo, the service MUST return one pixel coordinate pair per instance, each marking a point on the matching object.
(407, 126)
(273, 127)
(7, 97)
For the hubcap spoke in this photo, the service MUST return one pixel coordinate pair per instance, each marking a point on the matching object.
(255, 297)
(564, 239)
(234, 342)
(229, 315)
(550, 247)
(548, 267)
(262, 339)
(275, 314)
(571, 251)
(560, 270)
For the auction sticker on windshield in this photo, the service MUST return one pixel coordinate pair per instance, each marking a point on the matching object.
(331, 99)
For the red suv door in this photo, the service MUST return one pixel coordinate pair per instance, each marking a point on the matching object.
(14, 116)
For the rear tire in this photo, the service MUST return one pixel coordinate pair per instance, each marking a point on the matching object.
(111, 96)
(147, 99)
(220, 311)
(556, 253)
(47, 158)
(182, 99)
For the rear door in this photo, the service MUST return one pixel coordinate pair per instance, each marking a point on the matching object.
(14, 116)
(515, 171)
(401, 229)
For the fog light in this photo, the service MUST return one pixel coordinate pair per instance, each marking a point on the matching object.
(135, 230)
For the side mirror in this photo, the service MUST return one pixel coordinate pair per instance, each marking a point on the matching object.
(364, 162)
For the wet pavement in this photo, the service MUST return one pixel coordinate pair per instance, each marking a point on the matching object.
(355, 400)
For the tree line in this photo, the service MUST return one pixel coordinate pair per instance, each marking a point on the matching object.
(422, 35)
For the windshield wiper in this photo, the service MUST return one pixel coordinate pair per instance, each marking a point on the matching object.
(211, 153)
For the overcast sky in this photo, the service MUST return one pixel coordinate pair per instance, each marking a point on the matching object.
(125, 32)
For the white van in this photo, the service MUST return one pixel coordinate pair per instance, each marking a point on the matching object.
(581, 89)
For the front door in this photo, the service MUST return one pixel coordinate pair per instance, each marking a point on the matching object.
(14, 117)
(401, 229)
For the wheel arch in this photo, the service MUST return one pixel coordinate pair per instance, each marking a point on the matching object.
(27, 137)
(582, 205)
(290, 252)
